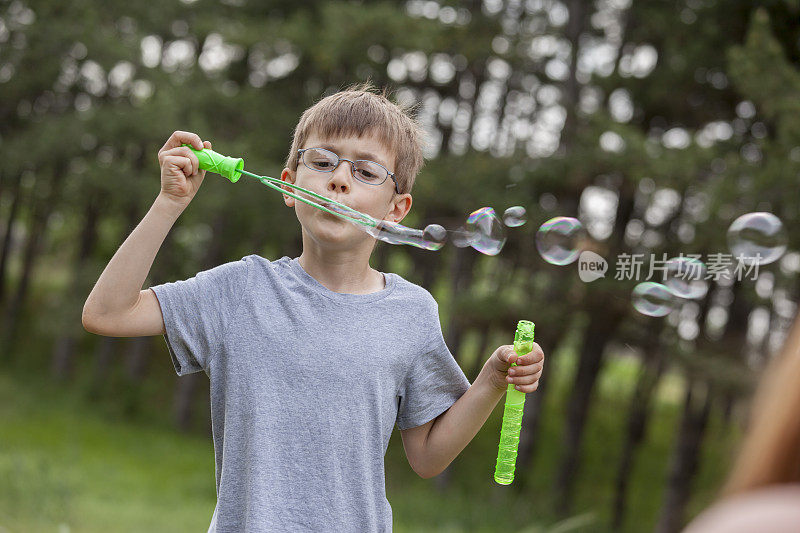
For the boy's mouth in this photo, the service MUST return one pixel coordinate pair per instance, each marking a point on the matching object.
(333, 207)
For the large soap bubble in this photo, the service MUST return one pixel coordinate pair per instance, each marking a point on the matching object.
(757, 238)
(485, 231)
(558, 240)
(653, 299)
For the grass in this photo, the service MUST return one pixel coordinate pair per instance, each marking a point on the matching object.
(65, 468)
(70, 464)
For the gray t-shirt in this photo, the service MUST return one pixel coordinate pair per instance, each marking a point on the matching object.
(306, 386)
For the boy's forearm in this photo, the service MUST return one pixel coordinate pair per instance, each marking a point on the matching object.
(456, 427)
(117, 289)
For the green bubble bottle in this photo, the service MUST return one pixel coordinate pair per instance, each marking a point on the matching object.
(228, 167)
(512, 413)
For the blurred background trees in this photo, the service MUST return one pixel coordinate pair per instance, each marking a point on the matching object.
(655, 123)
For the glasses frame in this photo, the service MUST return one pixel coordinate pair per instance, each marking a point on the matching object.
(352, 167)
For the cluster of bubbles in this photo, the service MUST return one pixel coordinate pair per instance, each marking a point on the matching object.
(684, 279)
(754, 238)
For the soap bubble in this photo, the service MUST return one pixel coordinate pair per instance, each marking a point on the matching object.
(487, 229)
(685, 277)
(432, 237)
(515, 216)
(757, 234)
(395, 233)
(461, 237)
(558, 240)
(653, 299)
(434, 234)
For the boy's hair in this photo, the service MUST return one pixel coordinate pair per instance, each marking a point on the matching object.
(357, 111)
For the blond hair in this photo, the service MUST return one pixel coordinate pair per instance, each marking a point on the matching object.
(357, 111)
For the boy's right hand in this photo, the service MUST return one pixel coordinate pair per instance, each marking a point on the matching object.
(180, 169)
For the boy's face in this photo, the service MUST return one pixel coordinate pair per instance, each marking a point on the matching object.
(379, 201)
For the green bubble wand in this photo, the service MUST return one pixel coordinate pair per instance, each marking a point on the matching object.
(512, 413)
(232, 168)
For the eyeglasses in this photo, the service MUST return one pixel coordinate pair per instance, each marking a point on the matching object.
(363, 170)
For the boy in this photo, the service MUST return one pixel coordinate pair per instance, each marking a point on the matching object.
(311, 360)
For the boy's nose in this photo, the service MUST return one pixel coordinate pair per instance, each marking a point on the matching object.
(341, 176)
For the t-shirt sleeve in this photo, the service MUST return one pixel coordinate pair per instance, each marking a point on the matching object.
(197, 312)
(433, 382)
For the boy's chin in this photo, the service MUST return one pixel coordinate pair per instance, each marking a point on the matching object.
(334, 230)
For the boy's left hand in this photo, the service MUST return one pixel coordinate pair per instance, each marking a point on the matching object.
(525, 376)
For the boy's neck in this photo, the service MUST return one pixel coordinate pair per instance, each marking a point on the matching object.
(345, 273)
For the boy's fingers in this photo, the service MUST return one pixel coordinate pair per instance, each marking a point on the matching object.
(179, 137)
(183, 163)
(525, 370)
(506, 354)
(184, 152)
(537, 354)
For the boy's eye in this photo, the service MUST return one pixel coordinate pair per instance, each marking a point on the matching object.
(369, 171)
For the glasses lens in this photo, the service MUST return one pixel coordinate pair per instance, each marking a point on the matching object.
(370, 172)
(319, 159)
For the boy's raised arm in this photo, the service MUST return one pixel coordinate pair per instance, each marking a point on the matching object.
(117, 306)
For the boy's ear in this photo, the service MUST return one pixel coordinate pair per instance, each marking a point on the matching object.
(399, 207)
(288, 176)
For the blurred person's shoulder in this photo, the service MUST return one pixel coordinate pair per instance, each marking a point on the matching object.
(768, 510)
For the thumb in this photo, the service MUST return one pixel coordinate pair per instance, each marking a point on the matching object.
(506, 356)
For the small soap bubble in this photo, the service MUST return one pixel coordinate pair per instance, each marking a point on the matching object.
(487, 229)
(515, 216)
(559, 239)
(685, 277)
(757, 237)
(461, 237)
(434, 234)
(653, 299)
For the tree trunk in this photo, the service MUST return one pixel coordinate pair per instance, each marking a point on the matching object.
(184, 405)
(602, 325)
(576, 25)
(483, 347)
(7, 236)
(64, 345)
(137, 355)
(462, 275)
(41, 211)
(103, 355)
(638, 413)
(685, 457)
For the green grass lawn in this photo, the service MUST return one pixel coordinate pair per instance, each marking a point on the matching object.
(67, 464)
(65, 468)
